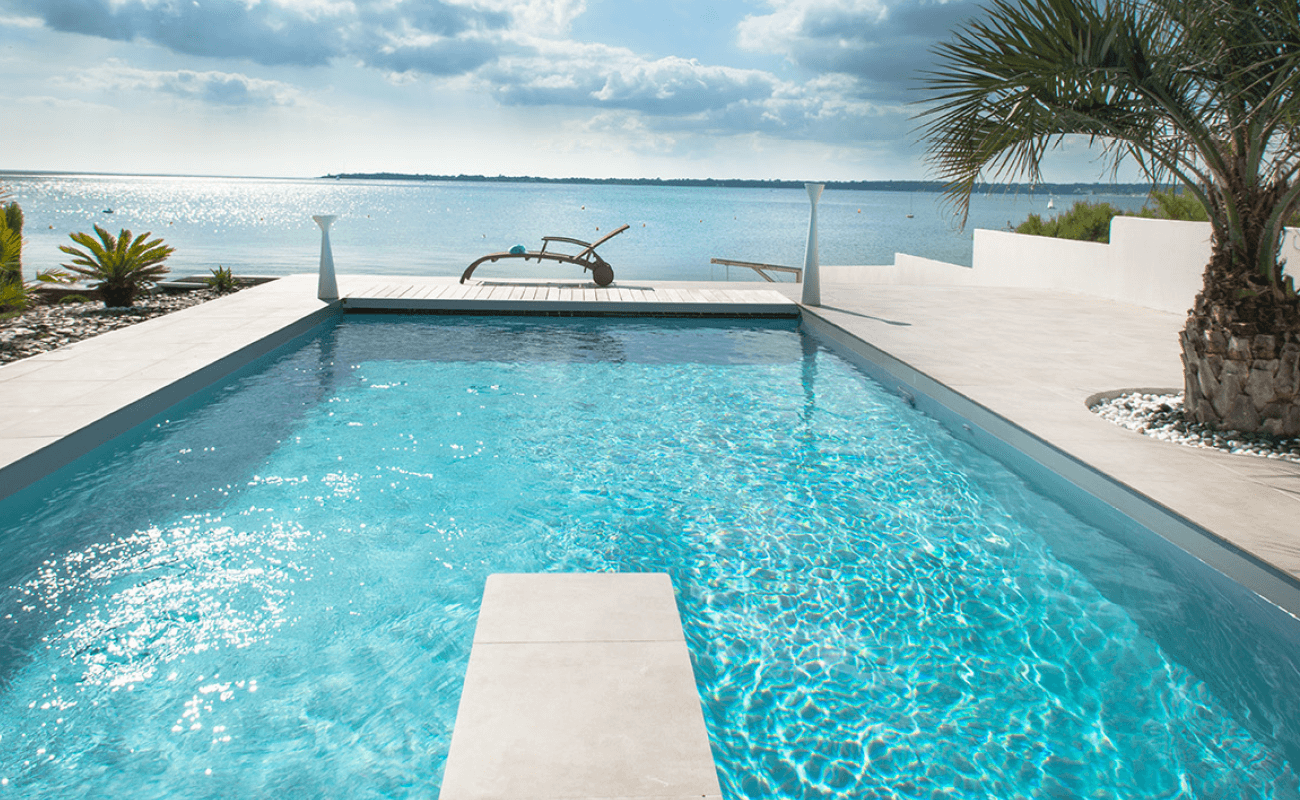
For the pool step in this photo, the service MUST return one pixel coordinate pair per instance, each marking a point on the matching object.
(579, 686)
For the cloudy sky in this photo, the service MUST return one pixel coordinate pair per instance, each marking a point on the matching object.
(795, 89)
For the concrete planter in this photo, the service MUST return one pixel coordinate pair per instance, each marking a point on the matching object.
(1242, 383)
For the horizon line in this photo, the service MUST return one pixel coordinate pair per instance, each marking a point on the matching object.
(890, 184)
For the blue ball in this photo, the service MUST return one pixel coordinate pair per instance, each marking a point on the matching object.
(518, 250)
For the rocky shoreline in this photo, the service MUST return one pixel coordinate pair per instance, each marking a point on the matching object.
(41, 328)
(1160, 416)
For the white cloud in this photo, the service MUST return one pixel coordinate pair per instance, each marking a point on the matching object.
(539, 17)
(620, 132)
(519, 54)
(834, 22)
(883, 44)
(21, 22)
(275, 32)
(599, 76)
(214, 88)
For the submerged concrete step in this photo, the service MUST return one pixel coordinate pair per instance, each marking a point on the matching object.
(579, 686)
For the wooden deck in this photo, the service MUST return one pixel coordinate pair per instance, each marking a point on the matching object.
(522, 297)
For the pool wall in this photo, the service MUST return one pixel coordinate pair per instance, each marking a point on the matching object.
(1093, 496)
(33, 467)
(1224, 613)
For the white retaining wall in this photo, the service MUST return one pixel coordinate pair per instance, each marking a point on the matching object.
(1152, 263)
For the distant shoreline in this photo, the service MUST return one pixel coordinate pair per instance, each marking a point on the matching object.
(744, 183)
(933, 187)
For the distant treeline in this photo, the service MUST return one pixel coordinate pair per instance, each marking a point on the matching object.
(743, 183)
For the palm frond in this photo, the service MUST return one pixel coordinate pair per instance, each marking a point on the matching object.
(1205, 93)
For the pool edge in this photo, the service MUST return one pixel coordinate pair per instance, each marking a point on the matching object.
(1087, 491)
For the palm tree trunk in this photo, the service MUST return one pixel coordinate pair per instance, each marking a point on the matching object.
(1241, 343)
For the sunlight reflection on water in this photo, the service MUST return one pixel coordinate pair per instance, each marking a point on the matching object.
(264, 226)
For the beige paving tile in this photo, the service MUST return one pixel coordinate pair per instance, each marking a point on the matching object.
(47, 421)
(13, 448)
(46, 392)
(579, 720)
(560, 607)
(27, 366)
(579, 686)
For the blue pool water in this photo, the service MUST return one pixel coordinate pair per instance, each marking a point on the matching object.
(273, 590)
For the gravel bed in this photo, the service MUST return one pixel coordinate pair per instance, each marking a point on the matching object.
(42, 328)
(1160, 416)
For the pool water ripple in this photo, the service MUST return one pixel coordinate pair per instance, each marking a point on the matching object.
(873, 609)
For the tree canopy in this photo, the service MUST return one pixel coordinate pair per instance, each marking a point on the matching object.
(1200, 92)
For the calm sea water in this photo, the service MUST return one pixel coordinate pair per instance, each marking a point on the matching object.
(264, 226)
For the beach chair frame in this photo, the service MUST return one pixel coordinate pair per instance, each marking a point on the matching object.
(601, 272)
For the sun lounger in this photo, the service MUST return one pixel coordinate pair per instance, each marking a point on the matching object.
(601, 272)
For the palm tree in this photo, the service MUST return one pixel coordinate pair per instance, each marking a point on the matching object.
(1199, 92)
(122, 266)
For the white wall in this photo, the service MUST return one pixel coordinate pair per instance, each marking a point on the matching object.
(1158, 263)
(1152, 263)
(1149, 262)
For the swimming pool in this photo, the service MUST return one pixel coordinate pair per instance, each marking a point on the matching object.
(273, 590)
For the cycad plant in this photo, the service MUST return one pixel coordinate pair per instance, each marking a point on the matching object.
(120, 266)
(1203, 92)
(223, 281)
(13, 292)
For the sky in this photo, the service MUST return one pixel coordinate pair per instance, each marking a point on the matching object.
(778, 89)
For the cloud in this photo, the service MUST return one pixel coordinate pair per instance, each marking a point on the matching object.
(519, 53)
(433, 55)
(675, 94)
(606, 77)
(266, 32)
(287, 32)
(882, 44)
(21, 22)
(215, 88)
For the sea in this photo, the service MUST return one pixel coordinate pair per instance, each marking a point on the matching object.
(264, 226)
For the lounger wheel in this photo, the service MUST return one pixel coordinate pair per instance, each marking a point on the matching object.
(602, 274)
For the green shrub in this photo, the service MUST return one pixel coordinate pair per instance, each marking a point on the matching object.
(122, 266)
(69, 299)
(223, 280)
(11, 250)
(1091, 221)
(1171, 204)
(1085, 221)
(14, 217)
(13, 297)
(11, 244)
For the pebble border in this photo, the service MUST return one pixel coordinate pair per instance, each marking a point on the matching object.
(39, 329)
(1160, 416)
